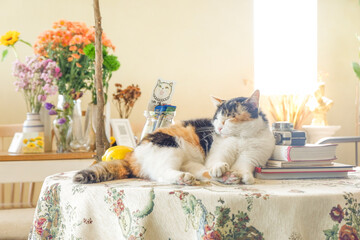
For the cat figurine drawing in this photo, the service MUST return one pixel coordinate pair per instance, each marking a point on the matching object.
(161, 94)
(226, 148)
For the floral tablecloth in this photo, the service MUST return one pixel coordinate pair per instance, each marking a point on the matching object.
(140, 209)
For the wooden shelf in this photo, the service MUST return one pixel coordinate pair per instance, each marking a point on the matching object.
(5, 156)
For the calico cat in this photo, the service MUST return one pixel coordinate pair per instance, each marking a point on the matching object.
(226, 148)
(242, 141)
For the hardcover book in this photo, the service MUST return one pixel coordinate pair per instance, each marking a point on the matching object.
(336, 170)
(297, 164)
(309, 152)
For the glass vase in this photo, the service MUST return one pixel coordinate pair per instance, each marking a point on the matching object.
(63, 133)
(79, 142)
(90, 122)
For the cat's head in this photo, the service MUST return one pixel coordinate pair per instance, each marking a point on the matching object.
(231, 115)
(162, 91)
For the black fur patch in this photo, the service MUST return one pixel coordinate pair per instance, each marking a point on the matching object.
(161, 139)
(205, 130)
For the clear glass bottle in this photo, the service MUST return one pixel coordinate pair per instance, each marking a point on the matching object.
(63, 133)
(153, 122)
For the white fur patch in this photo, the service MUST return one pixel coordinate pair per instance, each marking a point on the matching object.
(166, 164)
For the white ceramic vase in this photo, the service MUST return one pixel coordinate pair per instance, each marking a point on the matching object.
(33, 123)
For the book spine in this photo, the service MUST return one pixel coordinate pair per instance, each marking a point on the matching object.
(258, 169)
(288, 149)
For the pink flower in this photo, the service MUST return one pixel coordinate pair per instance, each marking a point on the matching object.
(38, 225)
(50, 89)
(42, 98)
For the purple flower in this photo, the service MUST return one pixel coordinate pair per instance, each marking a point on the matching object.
(61, 121)
(48, 106)
(52, 112)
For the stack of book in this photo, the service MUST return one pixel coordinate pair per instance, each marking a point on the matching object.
(309, 161)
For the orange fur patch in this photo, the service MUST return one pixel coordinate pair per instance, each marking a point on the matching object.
(206, 175)
(118, 167)
(187, 133)
(134, 166)
(242, 117)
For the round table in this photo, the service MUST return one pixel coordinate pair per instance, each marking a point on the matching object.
(141, 209)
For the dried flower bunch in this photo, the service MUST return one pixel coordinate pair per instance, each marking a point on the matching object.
(124, 99)
(290, 108)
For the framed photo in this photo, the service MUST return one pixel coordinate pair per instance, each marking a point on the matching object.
(122, 132)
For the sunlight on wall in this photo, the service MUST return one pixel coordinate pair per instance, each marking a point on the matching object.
(285, 46)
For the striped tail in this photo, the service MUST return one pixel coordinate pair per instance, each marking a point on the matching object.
(107, 171)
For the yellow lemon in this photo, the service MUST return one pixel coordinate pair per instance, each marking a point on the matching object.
(116, 153)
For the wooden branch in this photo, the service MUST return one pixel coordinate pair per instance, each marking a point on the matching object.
(100, 131)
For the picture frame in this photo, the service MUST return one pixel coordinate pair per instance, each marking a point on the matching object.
(16, 143)
(122, 132)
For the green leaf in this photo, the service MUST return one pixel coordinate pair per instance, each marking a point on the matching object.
(111, 63)
(356, 68)
(4, 53)
(89, 51)
(27, 43)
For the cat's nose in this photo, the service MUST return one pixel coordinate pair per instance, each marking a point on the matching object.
(220, 128)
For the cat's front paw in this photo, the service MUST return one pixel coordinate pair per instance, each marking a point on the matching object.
(229, 178)
(186, 179)
(219, 169)
(248, 178)
(86, 176)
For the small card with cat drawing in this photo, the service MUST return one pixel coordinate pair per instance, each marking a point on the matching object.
(161, 94)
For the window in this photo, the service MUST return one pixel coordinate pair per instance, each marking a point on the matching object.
(285, 46)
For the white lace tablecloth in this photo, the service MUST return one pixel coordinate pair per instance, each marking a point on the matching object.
(140, 209)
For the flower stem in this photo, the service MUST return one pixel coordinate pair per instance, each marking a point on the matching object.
(14, 50)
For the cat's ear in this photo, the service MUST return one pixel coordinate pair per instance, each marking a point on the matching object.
(171, 84)
(253, 100)
(158, 82)
(216, 101)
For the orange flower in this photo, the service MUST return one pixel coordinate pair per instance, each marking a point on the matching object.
(77, 39)
(81, 51)
(78, 65)
(62, 22)
(73, 48)
(76, 56)
(70, 59)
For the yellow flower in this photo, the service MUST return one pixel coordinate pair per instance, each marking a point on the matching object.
(40, 143)
(32, 140)
(31, 145)
(10, 38)
(39, 138)
(25, 141)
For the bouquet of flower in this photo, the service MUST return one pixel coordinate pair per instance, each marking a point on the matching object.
(36, 79)
(125, 99)
(64, 44)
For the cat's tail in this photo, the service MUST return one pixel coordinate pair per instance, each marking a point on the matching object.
(107, 171)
